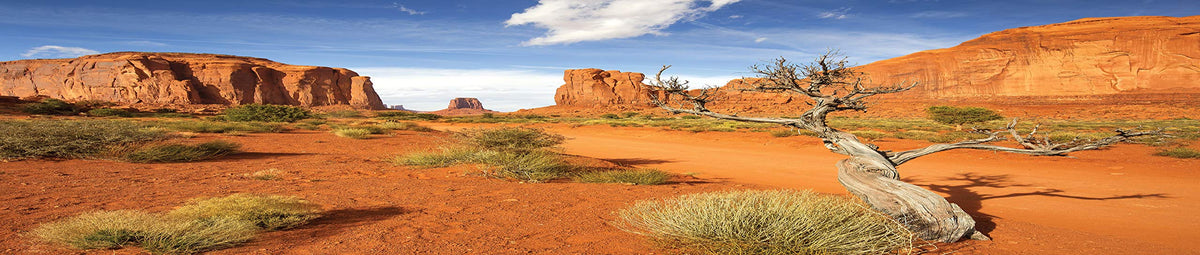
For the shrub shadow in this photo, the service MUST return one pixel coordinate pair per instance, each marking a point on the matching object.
(633, 162)
(971, 200)
(334, 222)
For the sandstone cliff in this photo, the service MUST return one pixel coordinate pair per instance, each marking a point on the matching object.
(1087, 57)
(463, 106)
(184, 78)
(595, 87)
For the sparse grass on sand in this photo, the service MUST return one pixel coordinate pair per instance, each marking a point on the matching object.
(163, 153)
(353, 132)
(1179, 152)
(204, 126)
(202, 225)
(506, 152)
(765, 222)
(69, 138)
(407, 126)
(633, 176)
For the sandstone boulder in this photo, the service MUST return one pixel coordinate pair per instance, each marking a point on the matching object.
(595, 87)
(185, 79)
(463, 106)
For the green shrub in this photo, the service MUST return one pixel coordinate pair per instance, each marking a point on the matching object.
(266, 113)
(409, 126)
(165, 153)
(69, 138)
(109, 112)
(610, 116)
(344, 114)
(393, 114)
(165, 110)
(428, 116)
(267, 212)
(634, 176)
(765, 222)
(510, 139)
(50, 106)
(961, 115)
(1179, 152)
(172, 115)
(355, 133)
(97, 230)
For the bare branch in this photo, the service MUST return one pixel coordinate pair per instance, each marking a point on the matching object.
(1033, 145)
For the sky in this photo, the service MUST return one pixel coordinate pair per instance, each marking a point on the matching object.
(512, 54)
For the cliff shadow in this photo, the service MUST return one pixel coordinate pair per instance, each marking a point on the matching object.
(967, 195)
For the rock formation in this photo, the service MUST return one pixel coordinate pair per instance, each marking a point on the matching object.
(595, 87)
(463, 106)
(1087, 57)
(184, 79)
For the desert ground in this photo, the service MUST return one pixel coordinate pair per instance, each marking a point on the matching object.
(1120, 200)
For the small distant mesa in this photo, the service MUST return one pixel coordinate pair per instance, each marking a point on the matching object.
(463, 106)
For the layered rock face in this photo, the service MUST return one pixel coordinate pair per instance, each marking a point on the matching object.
(1087, 57)
(183, 78)
(595, 87)
(463, 106)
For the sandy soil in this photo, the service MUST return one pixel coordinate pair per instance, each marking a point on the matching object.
(1119, 201)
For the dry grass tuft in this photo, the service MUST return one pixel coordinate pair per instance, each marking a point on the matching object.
(70, 138)
(765, 222)
(354, 133)
(634, 176)
(175, 236)
(1179, 152)
(163, 153)
(267, 212)
(98, 230)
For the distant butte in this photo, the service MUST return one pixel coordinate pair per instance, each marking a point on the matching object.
(463, 106)
(186, 79)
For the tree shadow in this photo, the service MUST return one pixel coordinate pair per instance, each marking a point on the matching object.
(970, 200)
(633, 162)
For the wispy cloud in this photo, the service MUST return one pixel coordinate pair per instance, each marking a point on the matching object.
(571, 21)
(55, 51)
(403, 9)
(839, 13)
(938, 15)
(144, 43)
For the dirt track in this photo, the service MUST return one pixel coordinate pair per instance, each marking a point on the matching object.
(1117, 201)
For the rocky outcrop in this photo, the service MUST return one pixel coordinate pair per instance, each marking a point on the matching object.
(463, 106)
(595, 87)
(184, 79)
(1087, 57)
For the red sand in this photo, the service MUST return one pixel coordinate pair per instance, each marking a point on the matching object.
(1119, 201)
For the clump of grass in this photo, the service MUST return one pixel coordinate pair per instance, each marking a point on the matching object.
(266, 212)
(50, 106)
(765, 222)
(163, 153)
(202, 225)
(264, 175)
(534, 166)
(511, 139)
(69, 138)
(634, 176)
(204, 126)
(784, 133)
(869, 134)
(354, 133)
(266, 113)
(400, 125)
(109, 112)
(958, 116)
(446, 157)
(344, 114)
(1179, 152)
(610, 116)
(97, 230)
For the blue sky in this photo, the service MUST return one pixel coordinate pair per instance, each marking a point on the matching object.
(511, 54)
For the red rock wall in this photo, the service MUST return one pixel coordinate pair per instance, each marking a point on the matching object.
(465, 103)
(594, 87)
(181, 78)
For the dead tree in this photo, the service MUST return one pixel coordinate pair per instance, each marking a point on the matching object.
(870, 173)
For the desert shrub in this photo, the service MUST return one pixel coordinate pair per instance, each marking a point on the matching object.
(188, 236)
(534, 166)
(163, 153)
(1179, 152)
(172, 115)
(109, 112)
(344, 114)
(961, 115)
(69, 138)
(97, 230)
(488, 115)
(634, 176)
(428, 116)
(510, 139)
(409, 126)
(266, 113)
(444, 158)
(690, 117)
(628, 114)
(869, 134)
(268, 212)
(165, 110)
(352, 132)
(783, 133)
(50, 106)
(199, 126)
(610, 116)
(765, 222)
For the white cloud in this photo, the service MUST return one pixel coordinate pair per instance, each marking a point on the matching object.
(760, 39)
(735, 16)
(428, 89)
(839, 13)
(54, 51)
(570, 21)
(401, 7)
